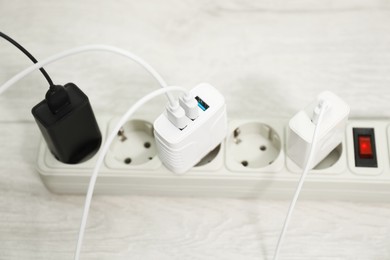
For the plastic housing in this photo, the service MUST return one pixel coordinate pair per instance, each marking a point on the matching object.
(180, 150)
(72, 134)
(331, 132)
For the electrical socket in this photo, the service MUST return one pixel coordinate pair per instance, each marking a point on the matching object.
(255, 146)
(225, 176)
(134, 146)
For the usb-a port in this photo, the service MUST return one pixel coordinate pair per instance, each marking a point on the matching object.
(201, 103)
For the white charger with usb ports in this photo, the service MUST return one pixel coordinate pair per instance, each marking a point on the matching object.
(180, 149)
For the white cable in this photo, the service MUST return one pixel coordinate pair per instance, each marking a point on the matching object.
(307, 167)
(87, 48)
(103, 152)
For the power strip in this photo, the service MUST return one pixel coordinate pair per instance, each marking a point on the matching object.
(251, 162)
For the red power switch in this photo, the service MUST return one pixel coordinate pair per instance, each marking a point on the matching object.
(365, 147)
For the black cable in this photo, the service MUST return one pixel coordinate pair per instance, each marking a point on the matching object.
(20, 47)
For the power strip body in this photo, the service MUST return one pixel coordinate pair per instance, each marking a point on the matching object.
(226, 175)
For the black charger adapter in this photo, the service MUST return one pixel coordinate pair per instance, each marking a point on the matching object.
(68, 124)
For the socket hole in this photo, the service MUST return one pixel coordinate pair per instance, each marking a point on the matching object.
(150, 158)
(147, 145)
(127, 160)
(263, 148)
(244, 163)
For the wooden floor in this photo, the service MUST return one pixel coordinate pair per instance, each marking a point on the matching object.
(269, 58)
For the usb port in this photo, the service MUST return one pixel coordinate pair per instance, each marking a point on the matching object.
(201, 103)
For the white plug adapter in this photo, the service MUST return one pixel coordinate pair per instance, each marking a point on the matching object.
(331, 132)
(179, 150)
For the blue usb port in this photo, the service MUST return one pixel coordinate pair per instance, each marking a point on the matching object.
(201, 103)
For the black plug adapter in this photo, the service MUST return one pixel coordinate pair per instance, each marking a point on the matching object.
(68, 124)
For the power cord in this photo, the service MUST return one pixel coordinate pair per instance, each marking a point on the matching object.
(103, 153)
(88, 48)
(29, 55)
(175, 111)
(318, 114)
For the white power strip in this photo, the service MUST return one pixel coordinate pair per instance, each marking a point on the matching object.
(251, 162)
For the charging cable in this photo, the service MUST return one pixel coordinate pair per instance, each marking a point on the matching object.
(174, 109)
(102, 153)
(88, 48)
(318, 114)
(29, 55)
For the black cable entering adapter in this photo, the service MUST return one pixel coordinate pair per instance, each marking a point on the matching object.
(68, 124)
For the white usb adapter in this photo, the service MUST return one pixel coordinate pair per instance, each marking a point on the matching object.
(331, 132)
(179, 150)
